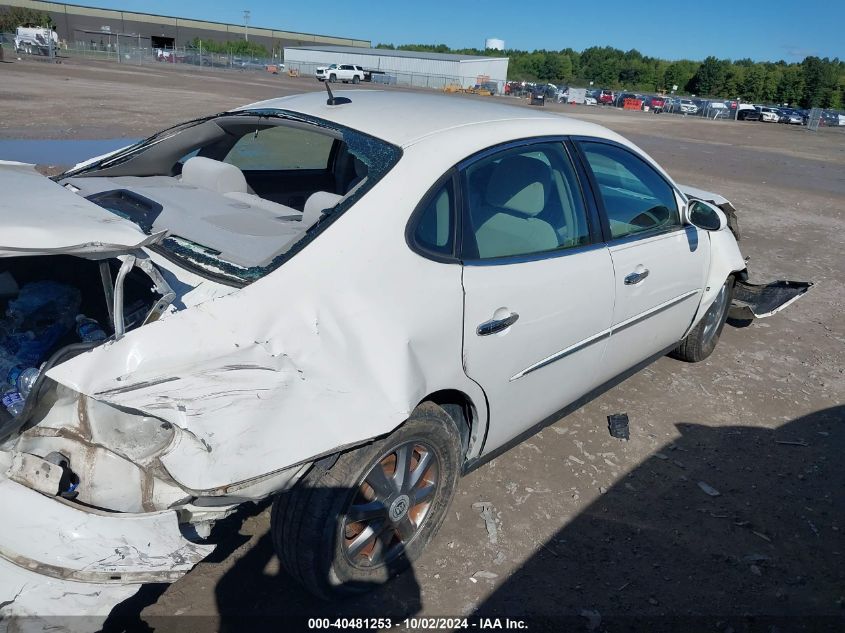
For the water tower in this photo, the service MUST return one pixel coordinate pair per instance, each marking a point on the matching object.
(494, 43)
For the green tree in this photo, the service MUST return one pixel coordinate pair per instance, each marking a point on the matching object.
(13, 17)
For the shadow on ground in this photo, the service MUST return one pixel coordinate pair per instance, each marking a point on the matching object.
(728, 528)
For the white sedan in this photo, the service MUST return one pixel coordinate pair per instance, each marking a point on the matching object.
(346, 303)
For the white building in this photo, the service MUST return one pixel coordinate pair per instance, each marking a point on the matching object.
(404, 68)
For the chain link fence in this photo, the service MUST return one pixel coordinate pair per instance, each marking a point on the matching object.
(125, 49)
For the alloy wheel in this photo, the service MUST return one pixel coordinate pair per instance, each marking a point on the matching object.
(390, 504)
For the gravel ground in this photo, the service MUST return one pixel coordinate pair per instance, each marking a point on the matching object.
(591, 532)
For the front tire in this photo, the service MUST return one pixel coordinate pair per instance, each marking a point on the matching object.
(702, 339)
(350, 528)
(332, 78)
(355, 79)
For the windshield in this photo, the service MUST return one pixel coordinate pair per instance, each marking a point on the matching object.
(237, 193)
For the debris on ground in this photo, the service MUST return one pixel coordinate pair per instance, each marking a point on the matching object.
(485, 509)
(593, 618)
(617, 424)
(708, 489)
(487, 575)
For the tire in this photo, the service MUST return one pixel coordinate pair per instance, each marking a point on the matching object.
(332, 78)
(312, 530)
(355, 79)
(702, 339)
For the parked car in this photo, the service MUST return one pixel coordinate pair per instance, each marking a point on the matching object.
(606, 97)
(655, 104)
(748, 114)
(590, 100)
(686, 106)
(768, 114)
(288, 300)
(347, 73)
(790, 116)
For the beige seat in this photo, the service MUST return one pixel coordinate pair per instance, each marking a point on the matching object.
(318, 202)
(213, 175)
(229, 181)
(507, 223)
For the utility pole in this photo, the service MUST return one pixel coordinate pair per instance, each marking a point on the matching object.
(246, 24)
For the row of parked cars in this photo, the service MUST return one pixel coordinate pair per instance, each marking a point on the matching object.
(710, 108)
(716, 109)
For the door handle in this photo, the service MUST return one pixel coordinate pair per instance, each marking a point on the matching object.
(632, 279)
(496, 325)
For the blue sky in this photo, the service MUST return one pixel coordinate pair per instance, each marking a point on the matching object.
(759, 29)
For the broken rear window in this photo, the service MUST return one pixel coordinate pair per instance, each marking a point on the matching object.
(238, 193)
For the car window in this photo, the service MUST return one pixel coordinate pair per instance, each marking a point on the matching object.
(636, 197)
(523, 201)
(435, 226)
(281, 148)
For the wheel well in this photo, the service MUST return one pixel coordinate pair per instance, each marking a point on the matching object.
(460, 408)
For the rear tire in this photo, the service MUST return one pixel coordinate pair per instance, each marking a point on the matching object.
(702, 339)
(316, 536)
(355, 79)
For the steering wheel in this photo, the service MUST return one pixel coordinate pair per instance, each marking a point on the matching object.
(650, 217)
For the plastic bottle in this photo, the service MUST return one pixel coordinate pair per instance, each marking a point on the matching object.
(14, 402)
(89, 329)
(26, 380)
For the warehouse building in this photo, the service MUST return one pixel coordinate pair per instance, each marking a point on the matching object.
(404, 68)
(76, 23)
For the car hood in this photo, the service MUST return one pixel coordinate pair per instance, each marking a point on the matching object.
(40, 217)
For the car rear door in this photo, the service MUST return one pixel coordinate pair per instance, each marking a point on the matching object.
(660, 264)
(538, 284)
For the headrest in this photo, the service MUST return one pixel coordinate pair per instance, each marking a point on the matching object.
(318, 202)
(521, 184)
(213, 175)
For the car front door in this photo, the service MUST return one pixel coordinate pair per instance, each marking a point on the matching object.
(538, 285)
(660, 264)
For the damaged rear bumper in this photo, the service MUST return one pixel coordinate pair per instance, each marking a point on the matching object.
(60, 559)
(752, 301)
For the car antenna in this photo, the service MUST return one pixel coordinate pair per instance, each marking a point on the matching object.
(332, 100)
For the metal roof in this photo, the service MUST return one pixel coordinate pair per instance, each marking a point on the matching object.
(403, 118)
(387, 52)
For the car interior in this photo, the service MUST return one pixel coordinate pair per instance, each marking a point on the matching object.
(241, 188)
(525, 201)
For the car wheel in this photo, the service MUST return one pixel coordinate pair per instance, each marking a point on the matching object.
(355, 79)
(348, 528)
(702, 339)
(332, 78)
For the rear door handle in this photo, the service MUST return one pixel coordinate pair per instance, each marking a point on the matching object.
(496, 325)
(634, 278)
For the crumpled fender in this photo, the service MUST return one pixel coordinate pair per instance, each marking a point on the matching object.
(725, 258)
(325, 352)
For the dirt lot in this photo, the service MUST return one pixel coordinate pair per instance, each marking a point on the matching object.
(592, 533)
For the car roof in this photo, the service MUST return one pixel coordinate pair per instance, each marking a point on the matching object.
(402, 118)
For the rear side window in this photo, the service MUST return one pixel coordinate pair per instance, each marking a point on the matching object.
(636, 197)
(281, 148)
(435, 227)
(523, 201)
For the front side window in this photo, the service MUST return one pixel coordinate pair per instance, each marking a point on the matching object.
(281, 148)
(636, 197)
(522, 201)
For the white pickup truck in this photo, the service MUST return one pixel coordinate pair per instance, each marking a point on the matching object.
(340, 72)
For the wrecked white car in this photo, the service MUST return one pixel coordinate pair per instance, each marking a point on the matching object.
(346, 303)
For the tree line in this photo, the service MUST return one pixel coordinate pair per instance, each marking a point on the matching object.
(813, 82)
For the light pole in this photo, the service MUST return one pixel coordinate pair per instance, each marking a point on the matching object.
(246, 24)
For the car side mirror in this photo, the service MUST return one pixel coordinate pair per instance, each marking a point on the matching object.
(706, 216)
